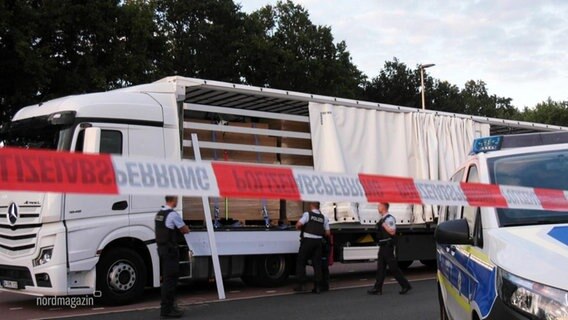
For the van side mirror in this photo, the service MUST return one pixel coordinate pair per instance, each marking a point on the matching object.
(453, 232)
(92, 140)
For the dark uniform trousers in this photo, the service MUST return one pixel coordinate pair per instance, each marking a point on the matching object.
(169, 261)
(326, 250)
(386, 258)
(310, 248)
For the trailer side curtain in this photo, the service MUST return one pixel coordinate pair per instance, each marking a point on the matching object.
(417, 145)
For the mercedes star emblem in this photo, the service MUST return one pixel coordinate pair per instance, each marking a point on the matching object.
(13, 213)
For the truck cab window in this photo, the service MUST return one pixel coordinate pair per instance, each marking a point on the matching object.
(470, 213)
(453, 212)
(111, 141)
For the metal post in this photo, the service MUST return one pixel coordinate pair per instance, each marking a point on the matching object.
(422, 87)
(422, 67)
(210, 230)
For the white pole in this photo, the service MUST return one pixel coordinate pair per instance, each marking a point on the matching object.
(422, 67)
(210, 230)
(422, 87)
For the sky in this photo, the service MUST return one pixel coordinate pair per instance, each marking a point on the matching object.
(518, 47)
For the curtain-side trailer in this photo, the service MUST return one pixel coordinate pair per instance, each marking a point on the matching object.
(68, 244)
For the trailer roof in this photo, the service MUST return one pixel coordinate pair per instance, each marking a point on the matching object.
(238, 96)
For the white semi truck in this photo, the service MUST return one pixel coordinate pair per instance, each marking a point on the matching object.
(72, 244)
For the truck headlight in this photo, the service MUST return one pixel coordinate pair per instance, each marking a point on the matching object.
(44, 256)
(530, 298)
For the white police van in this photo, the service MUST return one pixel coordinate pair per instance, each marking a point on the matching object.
(506, 263)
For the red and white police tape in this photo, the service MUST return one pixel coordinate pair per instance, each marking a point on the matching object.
(50, 171)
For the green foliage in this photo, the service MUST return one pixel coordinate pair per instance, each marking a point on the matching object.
(54, 48)
(399, 85)
(396, 84)
(286, 50)
(549, 112)
(204, 38)
(50, 49)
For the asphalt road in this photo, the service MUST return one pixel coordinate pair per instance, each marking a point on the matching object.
(349, 283)
(355, 303)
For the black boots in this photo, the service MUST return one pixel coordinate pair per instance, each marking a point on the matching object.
(172, 313)
(375, 291)
(317, 289)
(300, 288)
(405, 290)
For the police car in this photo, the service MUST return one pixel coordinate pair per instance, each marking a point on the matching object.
(506, 263)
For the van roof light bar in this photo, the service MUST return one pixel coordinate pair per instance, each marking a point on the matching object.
(494, 143)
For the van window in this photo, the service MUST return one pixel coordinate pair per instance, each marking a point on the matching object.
(547, 170)
(453, 212)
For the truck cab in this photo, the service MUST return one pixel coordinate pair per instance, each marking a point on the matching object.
(58, 244)
(507, 263)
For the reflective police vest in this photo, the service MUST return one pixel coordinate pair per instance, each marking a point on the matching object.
(164, 235)
(383, 237)
(315, 225)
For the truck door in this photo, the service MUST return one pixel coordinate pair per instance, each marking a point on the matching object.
(89, 218)
(145, 141)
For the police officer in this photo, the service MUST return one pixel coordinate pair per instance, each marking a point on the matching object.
(314, 226)
(386, 238)
(169, 228)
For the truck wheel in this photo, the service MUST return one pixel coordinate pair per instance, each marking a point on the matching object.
(121, 276)
(272, 270)
(404, 264)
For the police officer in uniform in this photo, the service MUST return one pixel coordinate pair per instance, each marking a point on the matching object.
(170, 229)
(314, 226)
(386, 238)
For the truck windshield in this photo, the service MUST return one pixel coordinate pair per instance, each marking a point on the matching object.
(36, 133)
(537, 170)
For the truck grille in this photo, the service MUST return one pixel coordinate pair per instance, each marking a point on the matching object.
(20, 238)
(20, 274)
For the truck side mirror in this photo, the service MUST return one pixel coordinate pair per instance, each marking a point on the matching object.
(453, 232)
(92, 140)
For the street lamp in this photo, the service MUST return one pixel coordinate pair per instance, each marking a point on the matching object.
(422, 67)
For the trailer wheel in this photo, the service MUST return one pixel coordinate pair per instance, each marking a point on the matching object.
(271, 271)
(405, 264)
(121, 276)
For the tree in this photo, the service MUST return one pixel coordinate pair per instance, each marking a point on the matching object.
(549, 112)
(21, 64)
(141, 45)
(444, 96)
(204, 38)
(396, 84)
(477, 101)
(286, 50)
(69, 47)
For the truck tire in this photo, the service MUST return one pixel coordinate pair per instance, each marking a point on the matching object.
(269, 271)
(121, 276)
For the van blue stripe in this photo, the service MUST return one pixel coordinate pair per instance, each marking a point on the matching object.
(475, 283)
